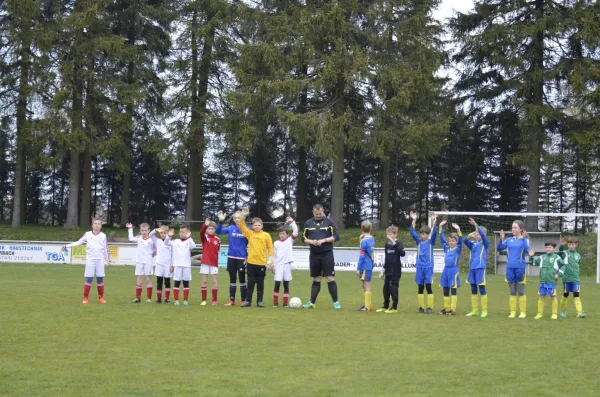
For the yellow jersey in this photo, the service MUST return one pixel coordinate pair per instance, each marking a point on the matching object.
(258, 244)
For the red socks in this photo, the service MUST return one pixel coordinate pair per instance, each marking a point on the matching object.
(214, 293)
(100, 290)
(276, 297)
(186, 293)
(204, 292)
(286, 297)
(159, 294)
(138, 292)
(167, 293)
(86, 290)
(149, 291)
(175, 293)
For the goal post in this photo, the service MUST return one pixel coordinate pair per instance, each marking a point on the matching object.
(550, 226)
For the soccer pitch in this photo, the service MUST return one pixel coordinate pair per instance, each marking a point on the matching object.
(53, 345)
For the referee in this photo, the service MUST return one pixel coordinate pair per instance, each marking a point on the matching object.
(320, 233)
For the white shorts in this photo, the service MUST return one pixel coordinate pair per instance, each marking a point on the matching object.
(163, 271)
(208, 269)
(94, 267)
(283, 272)
(143, 269)
(182, 273)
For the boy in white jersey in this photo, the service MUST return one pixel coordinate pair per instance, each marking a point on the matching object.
(146, 249)
(164, 261)
(95, 254)
(282, 263)
(182, 263)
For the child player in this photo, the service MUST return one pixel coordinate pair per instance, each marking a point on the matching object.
(182, 262)
(364, 270)
(450, 280)
(282, 262)
(392, 270)
(550, 264)
(570, 278)
(164, 261)
(259, 242)
(95, 254)
(424, 276)
(237, 252)
(477, 264)
(211, 245)
(146, 248)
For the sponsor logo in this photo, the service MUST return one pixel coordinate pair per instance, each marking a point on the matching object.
(55, 257)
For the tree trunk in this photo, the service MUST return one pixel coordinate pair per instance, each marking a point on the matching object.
(86, 193)
(302, 205)
(126, 182)
(19, 199)
(384, 218)
(337, 185)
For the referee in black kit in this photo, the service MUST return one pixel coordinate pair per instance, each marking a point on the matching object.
(320, 233)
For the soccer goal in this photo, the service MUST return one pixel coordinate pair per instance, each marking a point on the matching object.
(541, 227)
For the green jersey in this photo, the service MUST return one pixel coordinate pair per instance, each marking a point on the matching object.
(550, 265)
(571, 268)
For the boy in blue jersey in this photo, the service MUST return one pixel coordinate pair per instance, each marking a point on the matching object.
(450, 280)
(364, 270)
(516, 248)
(477, 264)
(424, 276)
(237, 252)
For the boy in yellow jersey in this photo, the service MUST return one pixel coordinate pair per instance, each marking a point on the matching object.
(259, 242)
(364, 270)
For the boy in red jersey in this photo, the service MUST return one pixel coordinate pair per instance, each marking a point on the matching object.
(211, 245)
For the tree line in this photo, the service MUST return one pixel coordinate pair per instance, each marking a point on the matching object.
(143, 110)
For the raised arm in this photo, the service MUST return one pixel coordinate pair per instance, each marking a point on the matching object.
(484, 239)
(443, 241)
(222, 230)
(414, 234)
(203, 232)
(502, 243)
(434, 233)
(130, 234)
(294, 230)
(241, 224)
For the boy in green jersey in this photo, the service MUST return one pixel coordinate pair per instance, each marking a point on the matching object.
(571, 282)
(550, 266)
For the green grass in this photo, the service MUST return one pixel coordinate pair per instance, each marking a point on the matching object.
(52, 345)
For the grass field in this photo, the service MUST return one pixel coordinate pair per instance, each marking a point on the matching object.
(53, 345)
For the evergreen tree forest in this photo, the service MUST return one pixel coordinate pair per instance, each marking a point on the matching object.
(147, 110)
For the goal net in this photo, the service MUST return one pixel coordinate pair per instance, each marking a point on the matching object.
(541, 227)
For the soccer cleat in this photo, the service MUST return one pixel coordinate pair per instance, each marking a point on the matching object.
(538, 316)
(246, 304)
(85, 301)
(336, 305)
(158, 301)
(581, 315)
(522, 315)
(185, 303)
(420, 310)
(308, 305)
(443, 311)
(382, 310)
(563, 314)
(167, 301)
(203, 303)
(285, 305)
(451, 313)
(101, 299)
(391, 311)
(214, 303)
(512, 315)
(428, 310)
(554, 317)
(363, 309)
(136, 301)
(275, 305)
(483, 314)
(148, 300)
(260, 304)
(473, 313)
(177, 303)
(230, 303)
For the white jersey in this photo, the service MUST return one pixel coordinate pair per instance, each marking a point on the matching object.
(181, 251)
(283, 249)
(146, 247)
(96, 245)
(164, 253)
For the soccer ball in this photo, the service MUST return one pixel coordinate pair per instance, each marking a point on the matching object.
(295, 303)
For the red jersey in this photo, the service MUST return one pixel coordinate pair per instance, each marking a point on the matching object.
(211, 245)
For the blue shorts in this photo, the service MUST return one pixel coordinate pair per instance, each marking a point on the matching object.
(515, 275)
(571, 287)
(424, 275)
(476, 276)
(450, 278)
(547, 289)
(365, 275)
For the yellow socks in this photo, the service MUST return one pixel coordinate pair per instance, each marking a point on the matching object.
(447, 303)
(523, 303)
(541, 306)
(563, 305)
(513, 304)
(421, 301)
(368, 300)
(577, 305)
(475, 303)
(430, 301)
(483, 303)
(554, 307)
(454, 300)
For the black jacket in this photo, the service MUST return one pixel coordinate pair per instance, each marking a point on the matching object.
(320, 229)
(392, 264)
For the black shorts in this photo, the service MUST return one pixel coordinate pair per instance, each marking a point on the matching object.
(236, 265)
(256, 270)
(322, 264)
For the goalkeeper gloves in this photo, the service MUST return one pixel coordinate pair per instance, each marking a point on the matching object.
(221, 216)
(245, 211)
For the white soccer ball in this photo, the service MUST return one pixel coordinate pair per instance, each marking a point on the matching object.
(295, 303)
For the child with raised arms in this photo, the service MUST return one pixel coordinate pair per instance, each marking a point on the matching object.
(450, 280)
(424, 267)
(182, 262)
(237, 253)
(164, 261)
(146, 249)
(282, 262)
(477, 264)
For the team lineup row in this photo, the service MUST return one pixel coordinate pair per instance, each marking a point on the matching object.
(248, 263)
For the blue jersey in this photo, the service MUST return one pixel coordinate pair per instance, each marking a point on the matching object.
(479, 251)
(452, 254)
(367, 253)
(516, 250)
(425, 248)
(238, 244)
